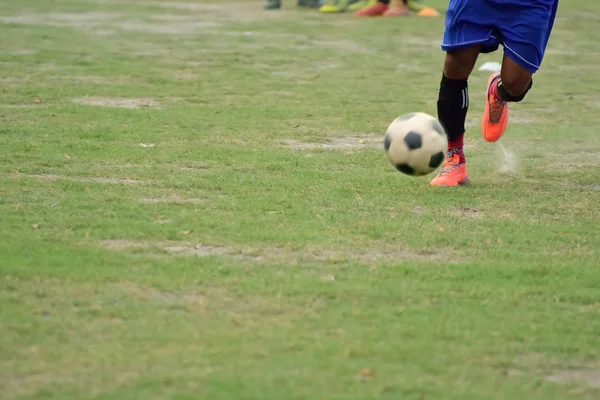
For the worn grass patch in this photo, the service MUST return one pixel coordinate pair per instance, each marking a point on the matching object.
(289, 256)
(195, 203)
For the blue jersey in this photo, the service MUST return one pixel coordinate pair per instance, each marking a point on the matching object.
(523, 27)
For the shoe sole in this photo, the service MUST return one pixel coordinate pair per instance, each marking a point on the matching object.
(464, 182)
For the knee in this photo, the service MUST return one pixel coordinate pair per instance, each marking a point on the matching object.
(457, 66)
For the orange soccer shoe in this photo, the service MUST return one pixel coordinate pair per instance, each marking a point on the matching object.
(495, 115)
(374, 10)
(453, 172)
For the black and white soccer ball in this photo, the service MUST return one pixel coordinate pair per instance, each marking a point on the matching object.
(415, 144)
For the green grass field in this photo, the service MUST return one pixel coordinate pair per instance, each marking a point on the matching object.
(195, 204)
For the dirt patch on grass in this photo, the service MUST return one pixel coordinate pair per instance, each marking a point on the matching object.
(151, 294)
(14, 81)
(191, 6)
(349, 142)
(52, 177)
(216, 12)
(193, 167)
(569, 372)
(186, 76)
(579, 67)
(174, 28)
(19, 52)
(120, 244)
(419, 42)
(467, 212)
(23, 106)
(574, 161)
(117, 102)
(73, 20)
(347, 46)
(590, 378)
(522, 120)
(290, 256)
(561, 52)
(100, 22)
(404, 67)
(577, 186)
(198, 250)
(92, 79)
(170, 199)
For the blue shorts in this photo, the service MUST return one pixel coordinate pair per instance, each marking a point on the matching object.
(522, 27)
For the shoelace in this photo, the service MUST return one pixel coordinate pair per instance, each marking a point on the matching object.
(496, 110)
(449, 163)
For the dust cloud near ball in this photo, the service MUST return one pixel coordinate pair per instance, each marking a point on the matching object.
(415, 144)
(508, 161)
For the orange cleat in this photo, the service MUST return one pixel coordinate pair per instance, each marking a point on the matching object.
(495, 116)
(453, 173)
(373, 11)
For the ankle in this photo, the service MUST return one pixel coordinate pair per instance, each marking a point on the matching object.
(494, 89)
(459, 152)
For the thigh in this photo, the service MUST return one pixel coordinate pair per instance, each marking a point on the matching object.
(525, 29)
(469, 23)
(459, 63)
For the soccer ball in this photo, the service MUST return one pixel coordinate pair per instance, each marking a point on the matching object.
(415, 144)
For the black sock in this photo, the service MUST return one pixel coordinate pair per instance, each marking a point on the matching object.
(452, 105)
(384, 1)
(504, 95)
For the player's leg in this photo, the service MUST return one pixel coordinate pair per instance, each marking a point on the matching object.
(525, 30)
(514, 82)
(452, 105)
(468, 33)
(510, 85)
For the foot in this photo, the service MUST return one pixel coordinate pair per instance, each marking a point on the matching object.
(334, 6)
(373, 11)
(397, 12)
(495, 115)
(453, 172)
(273, 5)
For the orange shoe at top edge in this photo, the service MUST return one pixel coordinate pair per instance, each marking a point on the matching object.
(373, 11)
(453, 173)
(495, 115)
